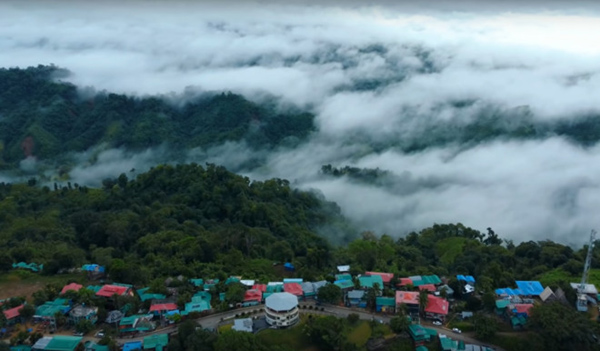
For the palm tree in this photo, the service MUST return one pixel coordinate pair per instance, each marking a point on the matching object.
(423, 300)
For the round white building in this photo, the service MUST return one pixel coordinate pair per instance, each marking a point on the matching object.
(281, 310)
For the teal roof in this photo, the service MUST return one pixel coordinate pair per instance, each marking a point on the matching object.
(50, 308)
(232, 280)
(421, 348)
(385, 301)
(500, 304)
(274, 288)
(448, 344)
(145, 297)
(369, 281)
(344, 284)
(121, 284)
(158, 341)
(34, 267)
(417, 332)
(20, 348)
(63, 343)
(130, 320)
(345, 276)
(94, 288)
(204, 295)
(222, 296)
(92, 346)
(520, 320)
(199, 305)
(197, 282)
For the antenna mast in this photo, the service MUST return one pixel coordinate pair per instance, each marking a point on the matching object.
(581, 296)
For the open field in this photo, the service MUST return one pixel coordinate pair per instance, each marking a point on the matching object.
(22, 283)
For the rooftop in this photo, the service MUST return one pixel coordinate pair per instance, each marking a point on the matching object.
(344, 284)
(13, 312)
(385, 277)
(110, 290)
(385, 301)
(407, 297)
(243, 325)
(293, 288)
(253, 295)
(281, 302)
(157, 341)
(533, 288)
(437, 305)
(587, 288)
(81, 311)
(58, 343)
(134, 345)
(370, 281)
(163, 307)
(72, 286)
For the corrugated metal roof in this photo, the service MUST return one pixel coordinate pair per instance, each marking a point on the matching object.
(281, 301)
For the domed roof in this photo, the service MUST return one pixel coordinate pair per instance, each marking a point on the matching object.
(281, 301)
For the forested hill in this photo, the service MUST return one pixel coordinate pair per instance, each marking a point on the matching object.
(44, 117)
(185, 220)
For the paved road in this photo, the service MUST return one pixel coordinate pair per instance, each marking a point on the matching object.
(214, 320)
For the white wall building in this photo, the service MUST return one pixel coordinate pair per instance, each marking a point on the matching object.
(281, 310)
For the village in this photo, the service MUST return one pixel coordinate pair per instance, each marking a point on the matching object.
(427, 301)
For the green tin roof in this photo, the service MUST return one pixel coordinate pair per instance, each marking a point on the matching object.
(369, 281)
(50, 308)
(94, 288)
(500, 304)
(157, 341)
(197, 282)
(385, 301)
(92, 346)
(63, 343)
(344, 284)
(274, 288)
(448, 344)
(345, 276)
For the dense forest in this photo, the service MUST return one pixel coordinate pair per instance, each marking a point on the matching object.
(44, 117)
(41, 115)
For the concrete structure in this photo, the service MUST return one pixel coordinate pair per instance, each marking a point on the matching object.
(81, 312)
(57, 343)
(243, 325)
(281, 310)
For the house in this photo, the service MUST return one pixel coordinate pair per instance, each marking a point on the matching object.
(109, 290)
(369, 281)
(404, 282)
(308, 290)
(548, 295)
(252, 297)
(232, 280)
(356, 298)
(419, 280)
(343, 268)
(82, 312)
(343, 276)
(447, 344)
(198, 304)
(261, 287)
(501, 306)
(386, 278)
(243, 325)
(408, 298)
(46, 313)
(272, 288)
(466, 278)
(437, 308)
(133, 345)
(293, 288)
(210, 283)
(57, 343)
(248, 283)
(197, 282)
(345, 285)
(427, 287)
(588, 289)
(289, 267)
(145, 296)
(293, 280)
(421, 335)
(13, 315)
(135, 324)
(385, 304)
(156, 342)
(71, 287)
(93, 346)
(466, 314)
(449, 290)
(520, 310)
(163, 308)
(530, 288)
(281, 310)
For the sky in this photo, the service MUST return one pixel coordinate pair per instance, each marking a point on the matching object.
(369, 71)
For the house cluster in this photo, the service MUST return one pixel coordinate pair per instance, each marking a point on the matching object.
(422, 335)
(407, 292)
(514, 304)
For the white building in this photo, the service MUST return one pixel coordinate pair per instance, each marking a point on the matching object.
(243, 325)
(281, 310)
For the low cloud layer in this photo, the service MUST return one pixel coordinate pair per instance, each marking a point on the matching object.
(369, 73)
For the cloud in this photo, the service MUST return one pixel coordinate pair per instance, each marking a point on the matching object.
(377, 74)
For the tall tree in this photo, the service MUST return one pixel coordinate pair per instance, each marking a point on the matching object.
(423, 300)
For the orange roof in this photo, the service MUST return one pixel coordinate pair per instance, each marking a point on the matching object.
(163, 307)
(13, 312)
(386, 277)
(72, 286)
(253, 295)
(407, 297)
(110, 290)
(428, 287)
(437, 305)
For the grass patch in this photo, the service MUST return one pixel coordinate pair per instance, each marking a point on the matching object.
(448, 249)
(23, 283)
(464, 326)
(224, 328)
(554, 276)
(360, 334)
(515, 342)
(292, 338)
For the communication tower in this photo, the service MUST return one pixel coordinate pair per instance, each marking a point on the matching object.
(582, 299)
